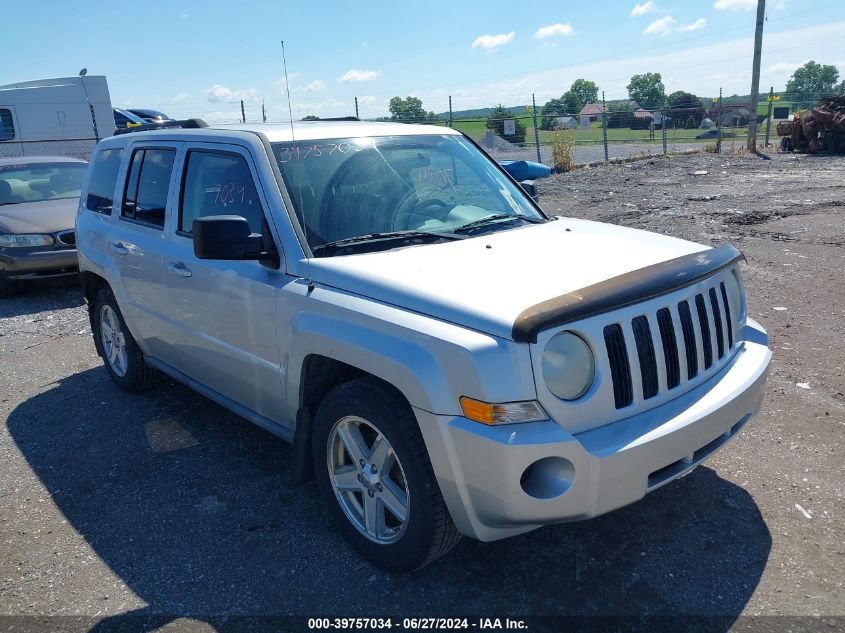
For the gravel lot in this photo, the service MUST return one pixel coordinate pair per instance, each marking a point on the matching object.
(114, 507)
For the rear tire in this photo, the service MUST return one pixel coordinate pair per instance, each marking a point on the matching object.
(384, 433)
(121, 355)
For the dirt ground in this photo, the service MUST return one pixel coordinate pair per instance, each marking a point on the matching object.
(133, 511)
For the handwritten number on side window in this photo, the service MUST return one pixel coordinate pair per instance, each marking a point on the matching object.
(230, 193)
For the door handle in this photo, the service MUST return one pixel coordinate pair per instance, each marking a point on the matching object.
(180, 270)
(119, 248)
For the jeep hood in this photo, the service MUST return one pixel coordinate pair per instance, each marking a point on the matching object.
(45, 216)
(485, 282)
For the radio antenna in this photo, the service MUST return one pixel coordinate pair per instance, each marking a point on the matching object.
(287, 88)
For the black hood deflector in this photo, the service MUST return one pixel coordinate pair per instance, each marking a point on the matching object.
(624, 290)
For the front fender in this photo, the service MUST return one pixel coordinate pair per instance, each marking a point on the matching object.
(431, 362)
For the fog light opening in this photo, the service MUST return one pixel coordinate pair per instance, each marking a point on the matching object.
(548, 478)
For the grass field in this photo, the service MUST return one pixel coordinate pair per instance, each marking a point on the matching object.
(476, 128)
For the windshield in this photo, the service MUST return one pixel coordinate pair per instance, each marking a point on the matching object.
(36, 182)
(438, 185)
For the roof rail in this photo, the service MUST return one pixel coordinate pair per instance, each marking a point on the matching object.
(163, 125)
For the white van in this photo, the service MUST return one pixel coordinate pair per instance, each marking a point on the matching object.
(66, 116)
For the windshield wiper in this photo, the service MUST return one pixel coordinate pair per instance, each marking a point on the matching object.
(386, 236)
(496, 217)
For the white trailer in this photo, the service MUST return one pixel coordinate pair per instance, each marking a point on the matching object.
(66, 116)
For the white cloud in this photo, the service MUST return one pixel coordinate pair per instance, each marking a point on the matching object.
(700, 23)
(663, 26)
(180, 97)
(643, 9)
(219, 93)
(554, 30)
(364, 44)
(784, 68)
(735, 5)
(359, 75)
(314, 86)
(183, 16)
(492, 43)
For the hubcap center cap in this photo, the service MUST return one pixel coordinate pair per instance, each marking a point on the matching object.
(369, 480)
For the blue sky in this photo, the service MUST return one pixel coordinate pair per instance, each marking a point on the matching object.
(199, 58)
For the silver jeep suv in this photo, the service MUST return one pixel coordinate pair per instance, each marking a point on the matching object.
(445, 358)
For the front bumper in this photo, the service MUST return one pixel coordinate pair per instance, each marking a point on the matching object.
(27, 263)
(484, 473)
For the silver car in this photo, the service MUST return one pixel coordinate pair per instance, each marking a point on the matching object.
(446, 358)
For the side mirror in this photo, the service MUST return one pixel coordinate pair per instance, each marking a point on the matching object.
(226, 237)
(530, 188)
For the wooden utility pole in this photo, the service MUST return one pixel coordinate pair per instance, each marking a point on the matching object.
(755, 75)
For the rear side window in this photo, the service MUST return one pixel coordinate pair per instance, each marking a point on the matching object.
(7, 126)
(103, 180)
(145, 197)
(219, 184)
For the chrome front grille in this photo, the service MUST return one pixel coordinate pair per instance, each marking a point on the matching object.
(646, 354)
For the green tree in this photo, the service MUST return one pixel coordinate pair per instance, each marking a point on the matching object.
(409, 110)
(685, 110)
(496, 123)
(620, 114)
(552, 109)
(840, 89)
(811, 81)
(580, 93)
(647, 90)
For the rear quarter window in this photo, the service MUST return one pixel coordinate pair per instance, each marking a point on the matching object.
(103, 180)
(147, 185)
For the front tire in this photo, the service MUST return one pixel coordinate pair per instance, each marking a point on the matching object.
(121, 355)
(376, 479)
(7, 287)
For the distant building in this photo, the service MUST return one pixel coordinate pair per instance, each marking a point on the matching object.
(566, 122)
(731, 113)
(657, 117)
(593, 112)
(596, 111)
(639, 113)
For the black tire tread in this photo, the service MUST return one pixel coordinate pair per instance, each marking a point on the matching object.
(7, 287)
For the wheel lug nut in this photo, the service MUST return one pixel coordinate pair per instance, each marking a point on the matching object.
(373, 469)
(378, 487)
(370, 492)
(362, 463)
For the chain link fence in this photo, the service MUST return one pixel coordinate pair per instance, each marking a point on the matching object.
(617, 130)
(74, 147)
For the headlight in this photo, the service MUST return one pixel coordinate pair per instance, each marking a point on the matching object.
(568, 366)
(21, 241)
(736, 296)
